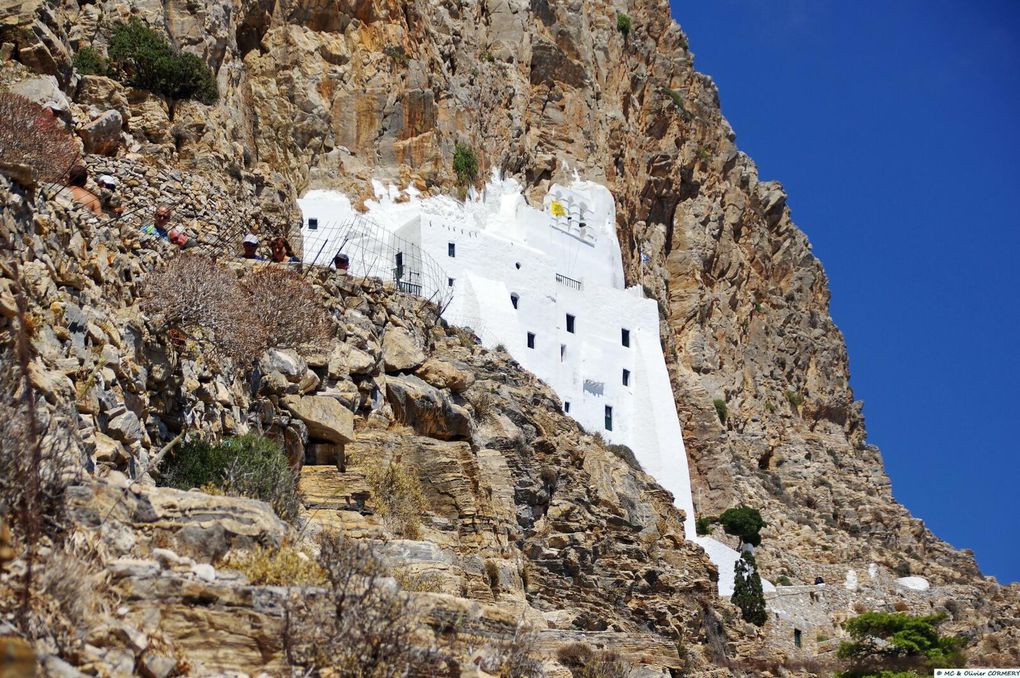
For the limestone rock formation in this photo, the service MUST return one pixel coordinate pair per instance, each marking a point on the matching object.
(529, 516)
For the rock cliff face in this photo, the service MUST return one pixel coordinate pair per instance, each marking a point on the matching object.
(334, 94)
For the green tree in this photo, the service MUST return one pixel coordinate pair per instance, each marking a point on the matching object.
(465, 164)
(144, 58)
(743, 522)
(747, 591)
(623, 24)
(891, 643)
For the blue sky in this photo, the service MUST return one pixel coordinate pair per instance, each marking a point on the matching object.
(894, 128)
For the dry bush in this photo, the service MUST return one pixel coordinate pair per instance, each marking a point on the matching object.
(515, 657)
(33, 144)
(400, 497)
(285, 566)
(586, 662)
(287, 306)
(366, 625)
(419, 582)
(195, 293)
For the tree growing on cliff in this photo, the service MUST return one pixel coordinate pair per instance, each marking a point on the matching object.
(144, 58)
(465, 164)
(883, 643)
(747, 591)
(744, 523)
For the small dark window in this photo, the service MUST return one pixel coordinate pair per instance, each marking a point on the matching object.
(796, 637)
(313, 224)
(625, 337)
(626, 377)
(451, 249)
(570, 323)
(514, 298)
(563, 352)
(518, 265)
(609, 418)
(566, 406)
(449, 282)
(531, 340)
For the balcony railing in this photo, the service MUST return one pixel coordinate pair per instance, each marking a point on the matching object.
(569, 282)
(409, 287)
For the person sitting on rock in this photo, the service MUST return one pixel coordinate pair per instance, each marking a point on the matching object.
(251, 247)
(160, 226)
(178, 236)
(341, 262)
(282, 251)
(108, 196)
(76, 180)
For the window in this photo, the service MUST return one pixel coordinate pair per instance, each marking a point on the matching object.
(609, 418)
(625, 337)
(796, 637)
(518, 265)
(313, 224)
(531, 340)
(398, 261)
(566, 406)
(570, 323)
(563, 352)
(626, 377)
(449, 282)
(514, 298)
(451, 249)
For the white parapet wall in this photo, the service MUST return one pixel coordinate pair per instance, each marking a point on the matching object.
(548, 285)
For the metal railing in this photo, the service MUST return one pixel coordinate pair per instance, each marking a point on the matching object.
(409, 287)
(569, 282)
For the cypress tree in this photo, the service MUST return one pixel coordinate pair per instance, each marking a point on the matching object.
(747, 592)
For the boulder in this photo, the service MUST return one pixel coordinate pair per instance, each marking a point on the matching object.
(125, 427)
(426, 409)
(103, 93)
(350, 359)
(202, 524)
(400, 351)
(42, 90)
(102, 135)
(442, 374)
(326, 418)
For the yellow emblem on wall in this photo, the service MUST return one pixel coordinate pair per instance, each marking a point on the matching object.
(558, 209)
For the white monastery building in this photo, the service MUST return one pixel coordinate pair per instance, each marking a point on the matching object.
(548, 285)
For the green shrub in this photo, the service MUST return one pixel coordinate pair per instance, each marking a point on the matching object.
(144, 58)
(623, 24)
(721, 410)
(88, 61)
(883, 642)
(703, 525)
(245, 466)
(784, 581)
(678, 102)
(396, 53)
(465, 164)
(795, 399)
(747, 591)
(743, 522)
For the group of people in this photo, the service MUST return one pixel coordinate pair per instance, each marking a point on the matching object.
(281, 252)
(108, 203)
